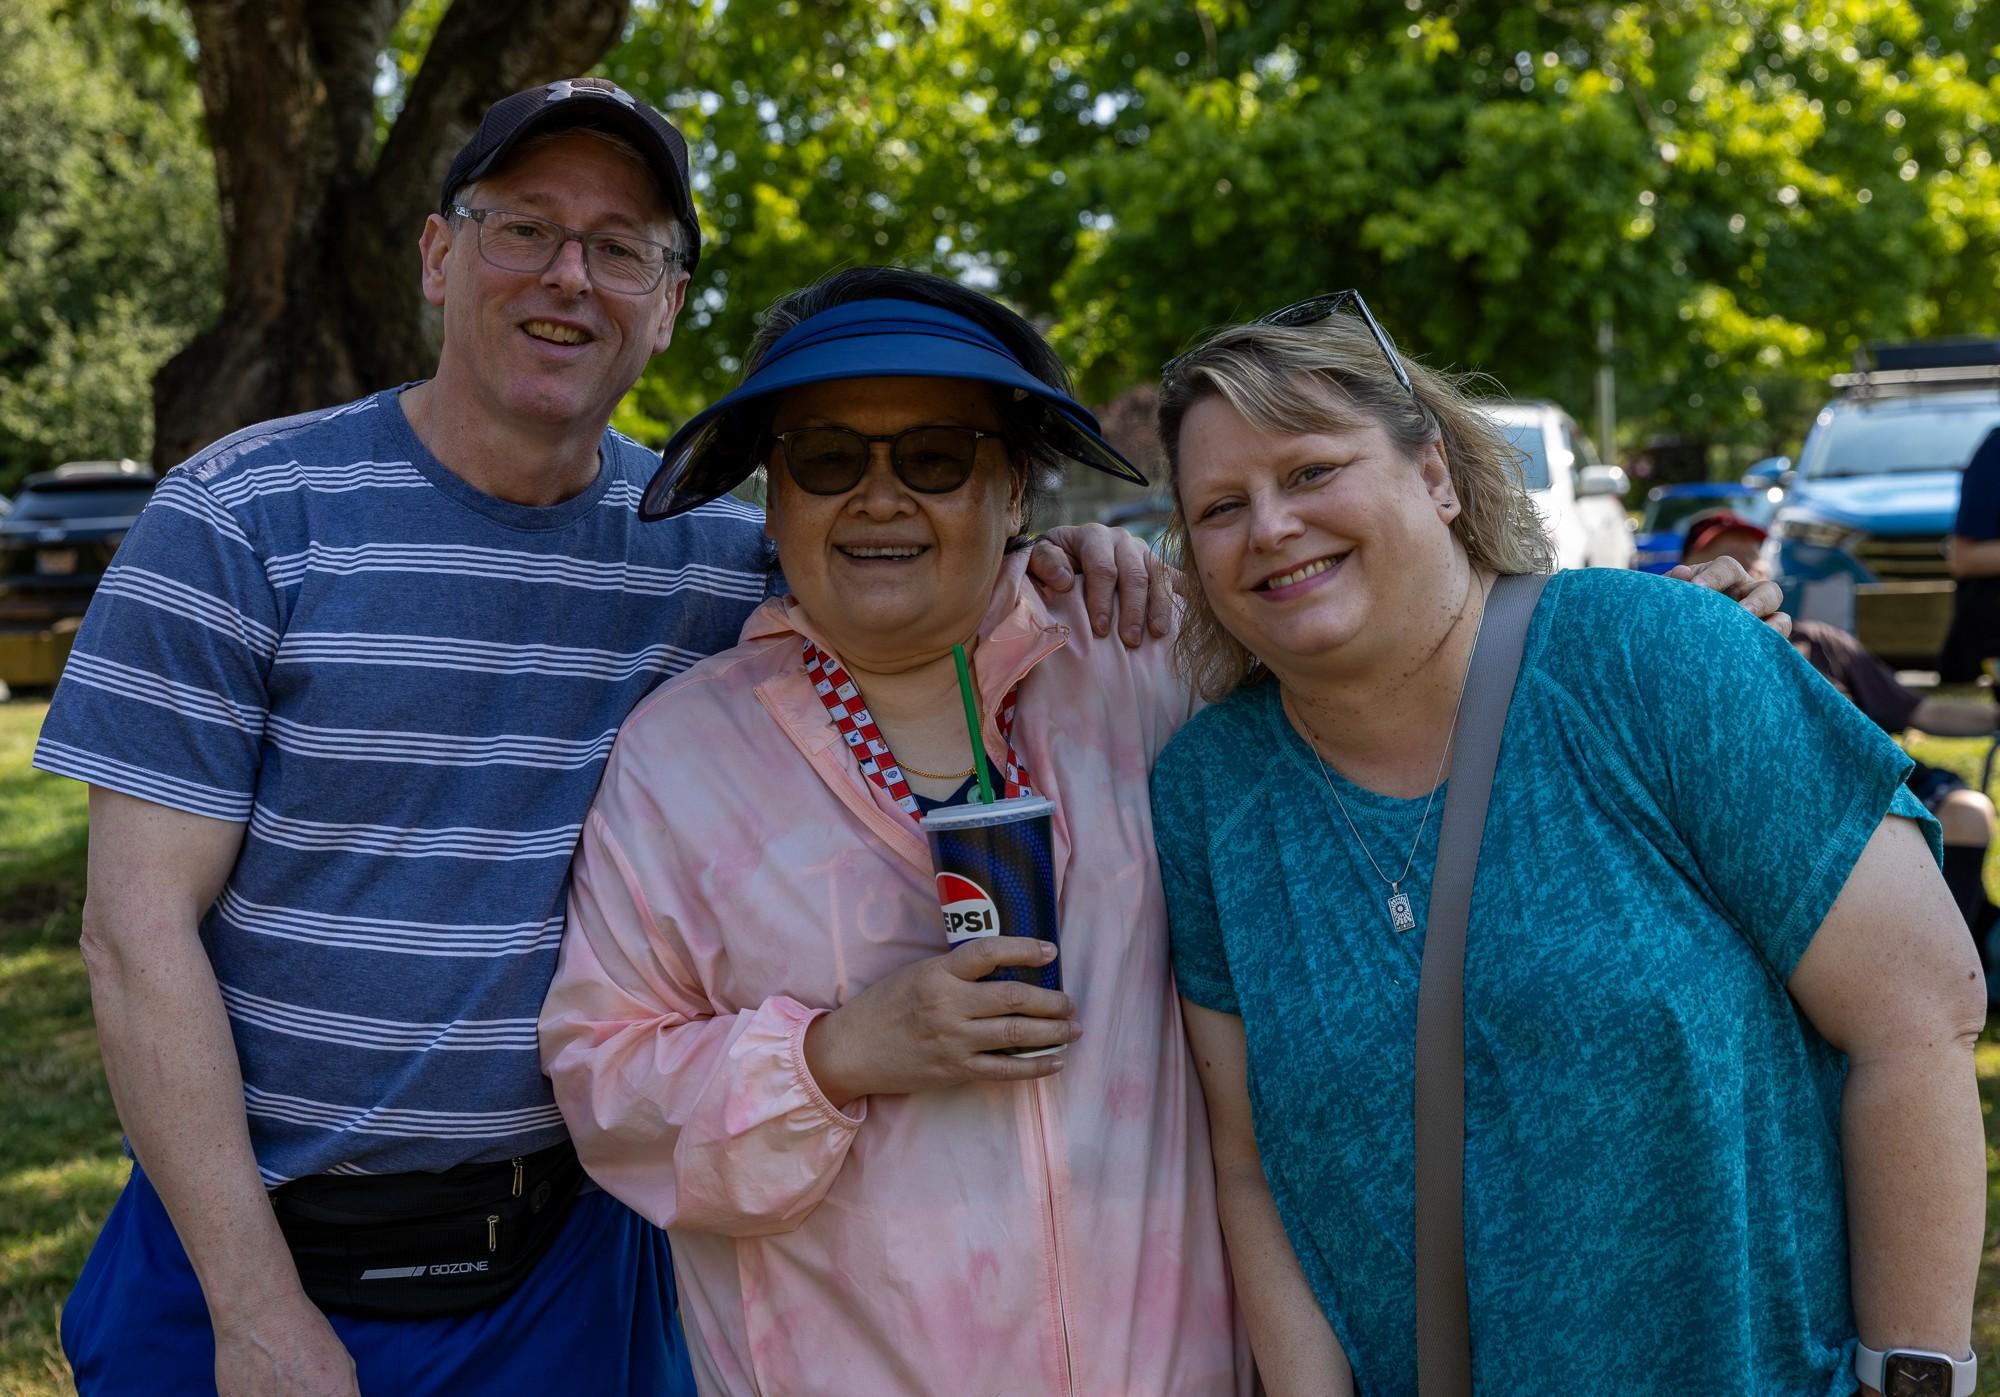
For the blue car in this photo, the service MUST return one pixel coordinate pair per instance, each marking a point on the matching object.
(1860, 537)
(1671, 509)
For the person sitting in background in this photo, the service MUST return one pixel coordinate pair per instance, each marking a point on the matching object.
(1974, 552)
(1725, 535)
(1965, 815)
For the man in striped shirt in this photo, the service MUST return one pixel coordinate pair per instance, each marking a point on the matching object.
(342, 702)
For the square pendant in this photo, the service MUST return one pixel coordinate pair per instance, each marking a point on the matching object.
(1400, 913)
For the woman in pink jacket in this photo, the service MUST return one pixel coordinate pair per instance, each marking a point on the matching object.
(756, 1034)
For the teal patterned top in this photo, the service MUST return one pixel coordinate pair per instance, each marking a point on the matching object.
(1652, 1160)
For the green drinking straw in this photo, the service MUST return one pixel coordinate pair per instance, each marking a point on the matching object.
(972, 724)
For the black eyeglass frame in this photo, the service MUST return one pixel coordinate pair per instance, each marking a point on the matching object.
(894, 440)
(1314, 309)
(669, 256)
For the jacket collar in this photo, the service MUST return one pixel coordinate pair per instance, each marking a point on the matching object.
(1016, 634)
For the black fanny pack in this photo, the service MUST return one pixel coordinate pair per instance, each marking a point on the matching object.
(411, 1246)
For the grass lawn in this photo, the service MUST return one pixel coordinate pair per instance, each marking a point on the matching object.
(60, 1164)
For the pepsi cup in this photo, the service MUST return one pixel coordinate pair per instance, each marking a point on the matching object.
(996, 876)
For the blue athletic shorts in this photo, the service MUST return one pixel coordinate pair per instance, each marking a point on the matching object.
(597, 1315)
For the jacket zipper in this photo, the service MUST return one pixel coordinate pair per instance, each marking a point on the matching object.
(1055, 1243)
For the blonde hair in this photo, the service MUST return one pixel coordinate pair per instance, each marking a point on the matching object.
(1331, 376)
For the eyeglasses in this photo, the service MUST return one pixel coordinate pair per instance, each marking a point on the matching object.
(930, 460)
(1314, 309)
(521, 242)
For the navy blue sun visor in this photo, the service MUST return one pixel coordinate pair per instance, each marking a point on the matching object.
(884, 338)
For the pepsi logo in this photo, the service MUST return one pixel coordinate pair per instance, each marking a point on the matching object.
(968, 911)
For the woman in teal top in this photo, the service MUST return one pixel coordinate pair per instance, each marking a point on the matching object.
(1721, 1116)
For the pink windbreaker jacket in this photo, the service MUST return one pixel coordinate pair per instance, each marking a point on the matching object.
(738, 877)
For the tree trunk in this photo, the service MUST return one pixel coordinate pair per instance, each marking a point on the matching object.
(320, 221)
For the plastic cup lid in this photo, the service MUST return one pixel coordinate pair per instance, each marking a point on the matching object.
(1000, 812)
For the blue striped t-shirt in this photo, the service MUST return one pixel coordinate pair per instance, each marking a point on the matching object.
(407, 689)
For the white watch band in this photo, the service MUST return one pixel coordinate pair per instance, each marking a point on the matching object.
(1869, 1363)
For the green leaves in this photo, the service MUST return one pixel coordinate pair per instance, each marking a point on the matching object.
(1745, 190)
(107, 227)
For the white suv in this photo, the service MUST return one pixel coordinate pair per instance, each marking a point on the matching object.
(1580, 499)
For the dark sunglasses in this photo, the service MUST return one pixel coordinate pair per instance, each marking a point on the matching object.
(832, 460)
(1314, 309)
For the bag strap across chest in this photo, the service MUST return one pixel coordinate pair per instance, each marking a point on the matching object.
(1444, 1326)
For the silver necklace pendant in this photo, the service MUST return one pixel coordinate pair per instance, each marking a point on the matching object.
(1400, 914)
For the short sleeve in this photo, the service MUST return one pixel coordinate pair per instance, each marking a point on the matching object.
(1979, 494)
(1201, 963)
(1768, 779)
(164, 695)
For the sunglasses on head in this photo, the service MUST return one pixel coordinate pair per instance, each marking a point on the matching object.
(1314, 309)
(832, 460)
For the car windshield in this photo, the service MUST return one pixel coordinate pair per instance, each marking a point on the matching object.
(1894, 438)
(1675, 510)
(1526, 438)
(1674, 513)
(43, 505)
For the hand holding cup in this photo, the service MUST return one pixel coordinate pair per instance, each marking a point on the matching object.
(938, 1023)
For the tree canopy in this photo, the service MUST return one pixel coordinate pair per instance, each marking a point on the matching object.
(107, 225)
(1744, 190)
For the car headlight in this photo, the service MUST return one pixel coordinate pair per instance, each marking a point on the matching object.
(1815, 533)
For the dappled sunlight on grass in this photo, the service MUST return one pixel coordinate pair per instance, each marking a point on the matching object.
(45, 816)
(58, 1133)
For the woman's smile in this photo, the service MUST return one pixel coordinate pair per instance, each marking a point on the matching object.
(888, 571)
(1297, 581)
(874, 554)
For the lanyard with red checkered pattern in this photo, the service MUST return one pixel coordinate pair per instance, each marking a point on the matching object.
(837, 690)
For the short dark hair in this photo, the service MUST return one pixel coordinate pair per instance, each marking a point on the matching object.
(1038, 467)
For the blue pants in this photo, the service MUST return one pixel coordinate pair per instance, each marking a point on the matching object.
(595, 1316)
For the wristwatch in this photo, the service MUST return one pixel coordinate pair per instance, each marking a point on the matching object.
(1915, 1372)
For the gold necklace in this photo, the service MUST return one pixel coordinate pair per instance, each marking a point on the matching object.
(934, 775)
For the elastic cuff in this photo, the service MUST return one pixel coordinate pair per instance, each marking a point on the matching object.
(835, 1116)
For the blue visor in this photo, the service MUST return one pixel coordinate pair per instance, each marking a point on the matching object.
(882, 338)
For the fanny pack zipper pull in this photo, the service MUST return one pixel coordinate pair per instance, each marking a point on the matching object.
(519, 1175)
(493, 1232)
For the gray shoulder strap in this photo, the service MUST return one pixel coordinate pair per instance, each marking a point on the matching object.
(1444, 1329)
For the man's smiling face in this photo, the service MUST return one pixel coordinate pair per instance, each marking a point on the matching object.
(551, 349)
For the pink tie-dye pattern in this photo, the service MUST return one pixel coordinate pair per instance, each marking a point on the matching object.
(737, 878)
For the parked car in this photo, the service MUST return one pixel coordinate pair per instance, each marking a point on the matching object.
(1580, 498)
(1859, 538)
(55, 545)
(1671, 510)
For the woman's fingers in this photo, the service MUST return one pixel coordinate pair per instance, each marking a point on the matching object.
(998, 1035)
(982, 955)
(1003, 998)
(1003, 1067)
